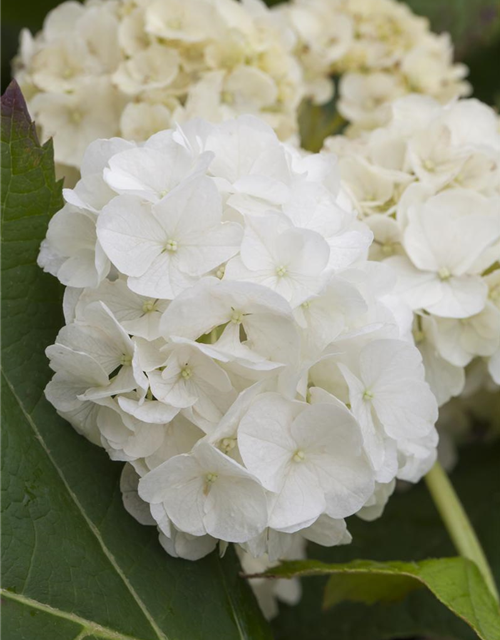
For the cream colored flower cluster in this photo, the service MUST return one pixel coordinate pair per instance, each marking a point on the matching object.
(428, 186)
(226, 336)
(134, 67)
(380, 49)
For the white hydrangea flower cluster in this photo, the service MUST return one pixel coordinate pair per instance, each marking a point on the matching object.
(380, 49)
(227, 337)
(428, 186)
(135, 67)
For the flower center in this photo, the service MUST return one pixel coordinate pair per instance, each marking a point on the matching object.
(299, 456)
(227, 444)
(186, 372)
(368, 395)
(281, 271)
(126, 360)
(210, 478)
(236, 317)
(429, 165)
(306, 304)
(171, 245)
(444, 273)
(148, 306)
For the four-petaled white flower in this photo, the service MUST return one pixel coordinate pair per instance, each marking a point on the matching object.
(205, 492)
(310, 456)
(446, 239)
(282, 257)
(380, 397)
(165, 248)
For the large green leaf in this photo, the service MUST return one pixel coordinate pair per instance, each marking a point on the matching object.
(410, 530)
(75, 564)
(455, 582)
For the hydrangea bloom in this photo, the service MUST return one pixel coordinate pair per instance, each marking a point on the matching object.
(228, 339)
(380, 49)
(428, 186)
(135, 67)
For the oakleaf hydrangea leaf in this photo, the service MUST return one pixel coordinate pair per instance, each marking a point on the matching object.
(455, 582)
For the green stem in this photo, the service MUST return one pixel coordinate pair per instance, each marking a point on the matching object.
(458, 524)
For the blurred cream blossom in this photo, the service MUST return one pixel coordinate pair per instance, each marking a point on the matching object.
(380, 50)
(427, 183)
(134, 67)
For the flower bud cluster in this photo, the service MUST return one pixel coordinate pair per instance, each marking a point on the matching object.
(134, 67)
(227, 337)
(380, 49)
(428, 186)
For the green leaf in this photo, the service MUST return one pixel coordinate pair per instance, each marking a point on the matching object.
(411, 530)
(74, 563)
(455, 582)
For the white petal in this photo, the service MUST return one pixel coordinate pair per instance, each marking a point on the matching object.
(129, 481)
(460, 297)
(264, 438)
(130, 235)
(300, 499)
(236, 509)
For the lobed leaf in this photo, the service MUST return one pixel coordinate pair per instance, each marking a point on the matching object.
(455, 582)
(412, 530)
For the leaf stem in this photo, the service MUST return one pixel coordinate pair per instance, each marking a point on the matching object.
(457, 523)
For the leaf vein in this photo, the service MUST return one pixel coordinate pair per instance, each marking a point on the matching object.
(89, 627)
(89, 523)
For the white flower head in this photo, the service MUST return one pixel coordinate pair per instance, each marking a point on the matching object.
(222, 317)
